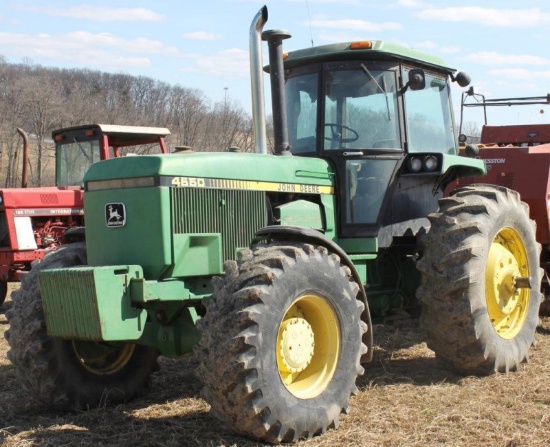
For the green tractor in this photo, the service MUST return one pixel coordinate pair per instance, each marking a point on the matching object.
(272, 268)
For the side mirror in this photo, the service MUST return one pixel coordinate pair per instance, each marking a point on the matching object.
(417, 79)
(462, 79)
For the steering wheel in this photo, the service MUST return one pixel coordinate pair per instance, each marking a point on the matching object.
(337, 131)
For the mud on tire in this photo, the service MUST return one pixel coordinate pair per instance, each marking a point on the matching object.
(63, 373)
(281, 342)
(479, 309)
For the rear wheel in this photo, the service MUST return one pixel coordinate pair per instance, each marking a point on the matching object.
(281, 342)
(480, 280)
(70, 374)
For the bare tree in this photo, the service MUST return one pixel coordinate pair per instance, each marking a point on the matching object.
(472, 130)
(40, 100)
(187, 111)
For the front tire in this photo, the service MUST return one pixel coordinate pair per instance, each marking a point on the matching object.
(480, 280)
(70, 374)
(281, 342)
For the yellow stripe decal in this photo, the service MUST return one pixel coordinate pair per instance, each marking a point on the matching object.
(213, 183)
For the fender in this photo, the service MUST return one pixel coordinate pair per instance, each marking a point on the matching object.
(302, 234)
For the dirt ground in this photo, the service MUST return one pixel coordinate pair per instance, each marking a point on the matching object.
(405, 399)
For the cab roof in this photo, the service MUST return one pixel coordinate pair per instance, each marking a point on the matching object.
(368, 49)
(118, 135)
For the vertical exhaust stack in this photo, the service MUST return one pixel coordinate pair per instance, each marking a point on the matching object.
(256, 80)
(25, 175)
(274, 40)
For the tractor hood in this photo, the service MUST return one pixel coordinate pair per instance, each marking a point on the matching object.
(158, 169)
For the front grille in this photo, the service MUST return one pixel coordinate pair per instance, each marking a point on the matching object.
(70, 305)
(235, 214)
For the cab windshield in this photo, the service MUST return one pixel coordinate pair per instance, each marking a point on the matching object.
(73, 160)
(360, 108)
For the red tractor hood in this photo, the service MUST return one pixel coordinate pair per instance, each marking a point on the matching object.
(43, 201)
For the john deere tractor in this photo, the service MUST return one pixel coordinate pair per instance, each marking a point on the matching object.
(271, 268)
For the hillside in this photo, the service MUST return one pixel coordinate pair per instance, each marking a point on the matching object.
(39, 100)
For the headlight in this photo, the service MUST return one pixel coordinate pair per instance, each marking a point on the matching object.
(419, 163)
(414, 164)
(429, 163)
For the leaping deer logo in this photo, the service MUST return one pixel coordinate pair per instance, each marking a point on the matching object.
(115, 215)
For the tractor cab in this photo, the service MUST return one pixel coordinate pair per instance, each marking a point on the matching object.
(77, 148)
(383, 119)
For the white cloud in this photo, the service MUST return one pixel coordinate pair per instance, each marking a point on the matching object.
(100, 14)
(434, 47)
(516, 18)
(449, 49)
(101, 50)
(202, 35)
(354, 24)
(231, 63)
(427, 45)
(412, 4)
(493, 58)
(338, 37)
(523, 74)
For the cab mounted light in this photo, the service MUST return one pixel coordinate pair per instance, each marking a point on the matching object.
(361, 45)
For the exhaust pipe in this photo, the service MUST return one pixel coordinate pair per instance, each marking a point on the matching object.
(256, 80)
(24, 175)
(274, 40)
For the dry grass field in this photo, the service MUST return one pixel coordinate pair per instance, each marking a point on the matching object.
(405, 399)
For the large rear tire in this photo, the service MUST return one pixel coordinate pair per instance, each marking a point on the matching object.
(70, 374)
(281, 342)
(480, 280)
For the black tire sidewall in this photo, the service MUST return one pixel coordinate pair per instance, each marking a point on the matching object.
(507, 217)
(298, 280)
(453, 288)
(94, 389)
(58, 378)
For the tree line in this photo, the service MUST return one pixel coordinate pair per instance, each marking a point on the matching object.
(40, 100)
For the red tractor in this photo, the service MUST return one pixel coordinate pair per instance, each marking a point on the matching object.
(34, 221)
(517, 157)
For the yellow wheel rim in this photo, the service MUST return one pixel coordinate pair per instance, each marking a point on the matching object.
(507, 304)
(308, 346)
(101, 358)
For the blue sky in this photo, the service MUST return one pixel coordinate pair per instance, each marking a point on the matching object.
(502, 44)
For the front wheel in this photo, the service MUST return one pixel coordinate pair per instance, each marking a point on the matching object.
(481, 280)
(281, 342)
(70, 374)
